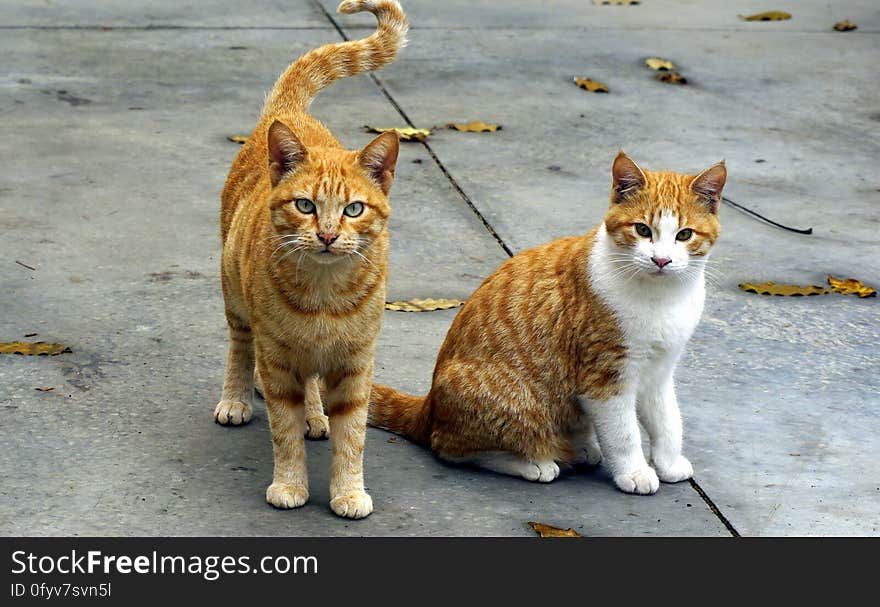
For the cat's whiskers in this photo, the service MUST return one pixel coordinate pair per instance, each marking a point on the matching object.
(293, 250)
(615, 273)
(363, 257)
(291, 240)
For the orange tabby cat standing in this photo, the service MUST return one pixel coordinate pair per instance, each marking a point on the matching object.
(305, 250)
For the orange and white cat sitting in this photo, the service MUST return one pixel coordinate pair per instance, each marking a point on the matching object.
(305, 255)
(560, 353)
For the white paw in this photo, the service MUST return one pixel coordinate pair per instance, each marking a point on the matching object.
(318, 427)
(643, 481)
(286, 496)
(354, 505)
(542, 472)
(680, 470)
(589, 454)
(232, 413)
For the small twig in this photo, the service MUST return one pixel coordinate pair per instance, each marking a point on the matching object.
(761, 217)
(24, 265)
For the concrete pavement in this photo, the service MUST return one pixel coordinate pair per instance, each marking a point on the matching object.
(114, 119)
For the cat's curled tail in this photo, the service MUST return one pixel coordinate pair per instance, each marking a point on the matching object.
(400, 413)
(319, 68)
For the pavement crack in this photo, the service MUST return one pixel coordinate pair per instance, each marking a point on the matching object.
(159, 27)
(425, 144)
(711, 505)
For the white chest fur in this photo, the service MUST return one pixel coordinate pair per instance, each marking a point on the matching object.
(657, 313)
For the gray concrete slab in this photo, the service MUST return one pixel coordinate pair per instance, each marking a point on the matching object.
(580, 14)
(114, 153)
(159, 14)
(779, 395)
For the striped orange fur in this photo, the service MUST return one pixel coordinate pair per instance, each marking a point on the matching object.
(538, 339)
(304, 264)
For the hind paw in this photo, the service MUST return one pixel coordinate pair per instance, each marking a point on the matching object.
(540, 472)
(318, 427)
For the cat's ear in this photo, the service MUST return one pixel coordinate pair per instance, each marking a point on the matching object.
(708, 185)
(627, 177)
(379, 158)
(286, 152)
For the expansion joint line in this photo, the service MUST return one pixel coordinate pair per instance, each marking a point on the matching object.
(425, 144)
(711, 505)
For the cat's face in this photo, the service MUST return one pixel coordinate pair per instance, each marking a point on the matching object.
(329, 204)
(663, 224)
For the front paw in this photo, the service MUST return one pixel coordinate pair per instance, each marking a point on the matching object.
(680, 470)
(643, 481)
(232, 413)
(318, 427)
(286, 496)
(354, 505)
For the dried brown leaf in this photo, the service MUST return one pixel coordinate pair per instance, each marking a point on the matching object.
(590, 85)
(768, 16)
(656, 63)
(475, 127)
(771, 288)
(845, 26)
(31, 348)
(845, 286)
(550, 531)
(404, 133)
(423, 305)
(616, 2)
(44, 389)
(671, 78)
(851, 286)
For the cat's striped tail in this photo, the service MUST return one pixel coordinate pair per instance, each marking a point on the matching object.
(319, 68)
(400, 413)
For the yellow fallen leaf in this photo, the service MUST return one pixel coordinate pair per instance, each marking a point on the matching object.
(423, 305)
(550, 531)
(845, 286)
(768, 16)
(771, 288)
(237, 139)
(851, 286)
(656, 63)
(32, 348)
(845, 26)
(671, 78)
(405, 133)
(590, 85)
(475, 127)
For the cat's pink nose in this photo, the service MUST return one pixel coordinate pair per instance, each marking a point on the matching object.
(326, 238)
(661, 261)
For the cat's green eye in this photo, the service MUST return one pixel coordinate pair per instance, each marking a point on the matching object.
(684, 234)
(354, 209)
(643, 230)
(305, 206)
